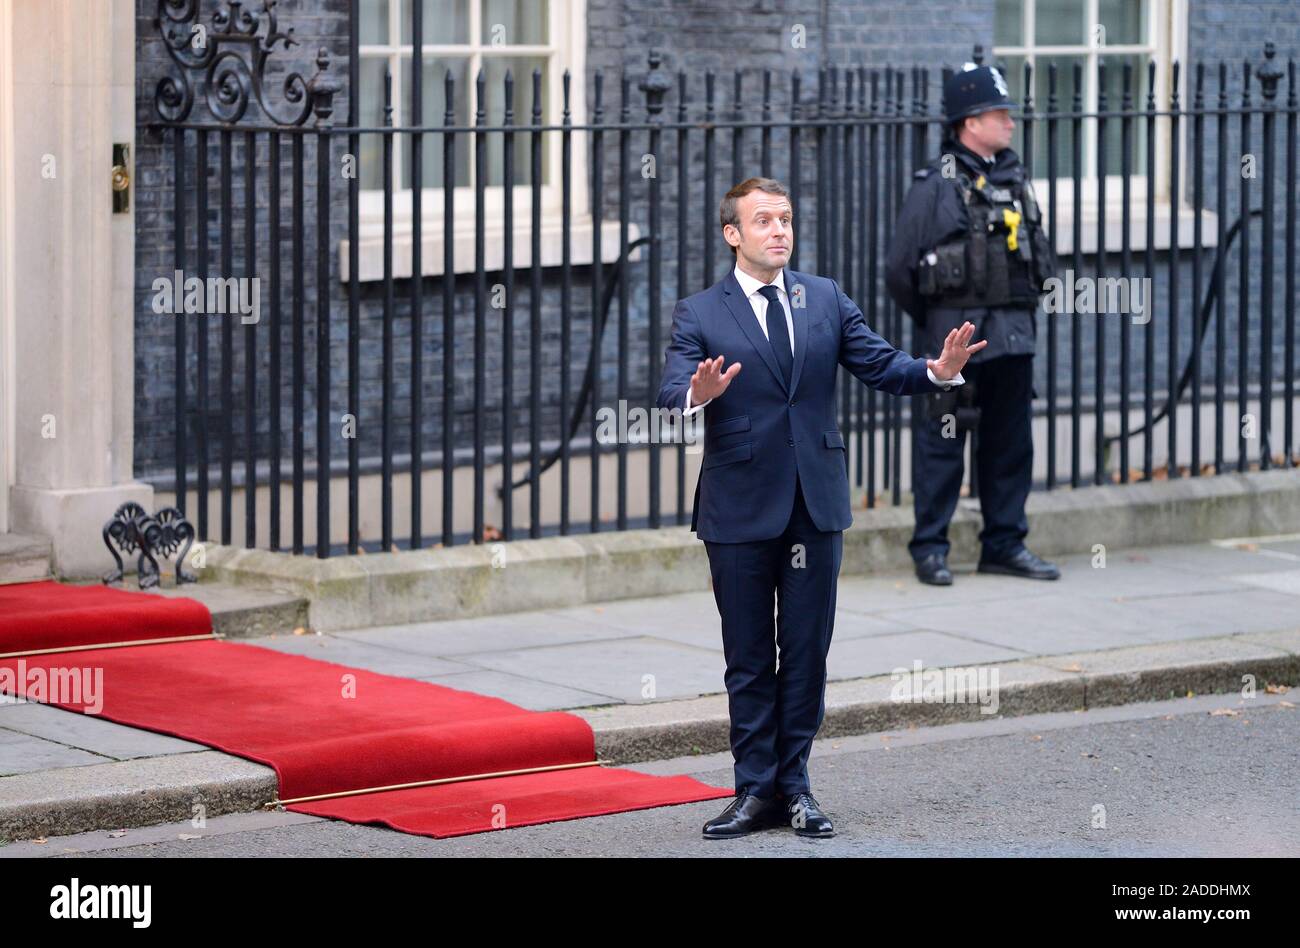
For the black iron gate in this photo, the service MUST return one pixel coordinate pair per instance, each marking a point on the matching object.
(846, 149)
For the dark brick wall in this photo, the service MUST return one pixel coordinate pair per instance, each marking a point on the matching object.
(693, 36)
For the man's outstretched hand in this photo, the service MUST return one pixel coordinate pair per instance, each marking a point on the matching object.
(956, 350)
(709, 381)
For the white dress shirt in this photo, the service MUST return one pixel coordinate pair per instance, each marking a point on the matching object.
(758, 302)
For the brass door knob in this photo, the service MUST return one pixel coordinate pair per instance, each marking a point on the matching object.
(121, 178)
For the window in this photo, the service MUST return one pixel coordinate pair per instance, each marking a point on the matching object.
(464, 36)
(1086, 33)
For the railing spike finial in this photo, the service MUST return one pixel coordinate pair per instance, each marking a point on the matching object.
(322, 88)
(655, 85)
(1269, 72)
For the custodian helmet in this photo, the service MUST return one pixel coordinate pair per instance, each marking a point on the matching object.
(972, 90)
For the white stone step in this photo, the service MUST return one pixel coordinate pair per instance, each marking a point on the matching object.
(23, 559)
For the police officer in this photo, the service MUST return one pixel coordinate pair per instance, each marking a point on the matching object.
(968, 245)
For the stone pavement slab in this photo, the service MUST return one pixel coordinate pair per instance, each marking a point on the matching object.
(83, 732)
(625, 669)
(511, 631)
(525, 692)
(375, 658)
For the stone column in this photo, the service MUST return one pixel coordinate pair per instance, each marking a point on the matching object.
(73, 74)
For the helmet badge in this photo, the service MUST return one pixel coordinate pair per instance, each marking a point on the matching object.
(999, 83)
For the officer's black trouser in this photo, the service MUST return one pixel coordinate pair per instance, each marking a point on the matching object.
(1004, 454)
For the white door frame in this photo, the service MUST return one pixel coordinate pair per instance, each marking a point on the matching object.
(7, 315)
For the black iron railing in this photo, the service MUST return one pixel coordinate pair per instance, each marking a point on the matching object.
(846, 151)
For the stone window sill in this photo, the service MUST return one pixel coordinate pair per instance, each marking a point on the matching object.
(581, 231)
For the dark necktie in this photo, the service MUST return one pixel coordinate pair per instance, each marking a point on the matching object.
(777, 332)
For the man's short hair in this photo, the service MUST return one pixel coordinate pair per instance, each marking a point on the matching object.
(727, 212)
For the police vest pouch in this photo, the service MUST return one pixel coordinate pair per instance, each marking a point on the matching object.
(943, 269)
(927, 279)
(1044, 262)
(977, 256)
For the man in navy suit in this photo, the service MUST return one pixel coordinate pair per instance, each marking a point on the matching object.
(772, 499)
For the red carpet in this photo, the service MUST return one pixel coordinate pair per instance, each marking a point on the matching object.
(53, 615)
(325, 727)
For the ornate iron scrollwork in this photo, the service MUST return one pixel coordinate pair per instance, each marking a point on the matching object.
(126, 529)
(164, 533)
(131, 528)
(233, 51)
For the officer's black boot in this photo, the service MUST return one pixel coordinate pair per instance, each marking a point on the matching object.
(933, 569)
(1021, 563)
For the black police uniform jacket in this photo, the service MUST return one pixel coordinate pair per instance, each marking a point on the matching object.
(933, 213)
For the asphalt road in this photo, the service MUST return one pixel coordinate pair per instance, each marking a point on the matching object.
(1169, 778)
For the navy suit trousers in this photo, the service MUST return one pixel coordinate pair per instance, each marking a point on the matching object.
(776, 710)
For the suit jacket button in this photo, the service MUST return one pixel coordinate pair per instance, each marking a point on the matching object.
(790, 442)
(792, 403)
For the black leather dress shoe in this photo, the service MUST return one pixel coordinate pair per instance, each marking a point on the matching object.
(933, 569)
(1022, 563)
(806, 816)
(745, 814)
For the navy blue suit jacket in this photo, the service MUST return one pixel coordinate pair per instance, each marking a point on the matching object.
(758, 433)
